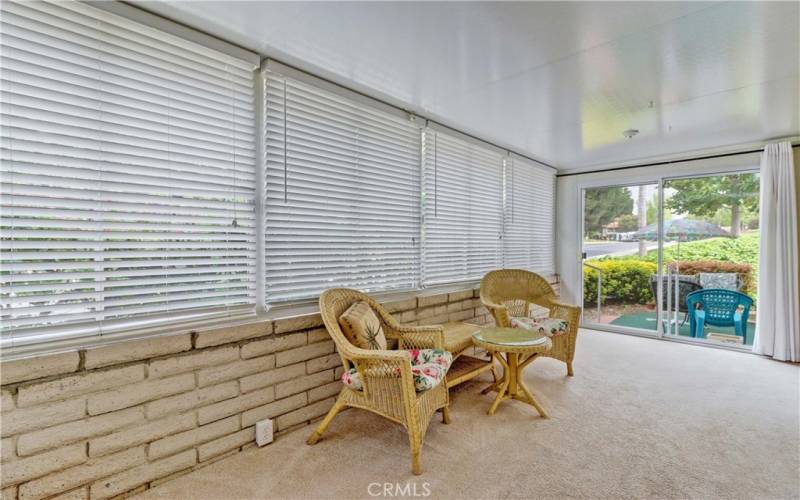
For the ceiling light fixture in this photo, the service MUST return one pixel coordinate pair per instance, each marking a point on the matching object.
(630, 133)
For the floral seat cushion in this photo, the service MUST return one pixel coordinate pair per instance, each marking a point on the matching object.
(551, 327)
(428, 366)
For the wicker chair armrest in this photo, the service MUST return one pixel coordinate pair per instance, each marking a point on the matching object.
(410, 337)
(376, 366)
(374, 363)
(564, 311)
(570, 313)
(420, 337)
(559, 304)
(357, 354)
(498, 311)
(494, 307)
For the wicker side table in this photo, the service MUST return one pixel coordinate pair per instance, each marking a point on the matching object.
(514, 348)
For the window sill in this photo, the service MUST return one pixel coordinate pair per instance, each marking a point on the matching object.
(219, 330)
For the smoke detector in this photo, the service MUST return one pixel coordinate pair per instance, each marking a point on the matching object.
(630, 133)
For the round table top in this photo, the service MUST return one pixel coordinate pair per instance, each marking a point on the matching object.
(511, 340)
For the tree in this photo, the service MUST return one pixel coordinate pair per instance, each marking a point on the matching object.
(652, 210)
(642, 212)
(704, 196)
(603, 205)
(628, 223)
(723, 216)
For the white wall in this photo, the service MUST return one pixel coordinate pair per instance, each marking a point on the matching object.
(569, 217)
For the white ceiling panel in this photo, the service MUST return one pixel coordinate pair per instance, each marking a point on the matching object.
(558, 81)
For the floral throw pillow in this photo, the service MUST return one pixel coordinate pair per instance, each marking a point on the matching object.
(551, 327)
(725, 281)
(362, 327)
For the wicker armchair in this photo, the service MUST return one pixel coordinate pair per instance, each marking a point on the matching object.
(510, 292)
(388, 385)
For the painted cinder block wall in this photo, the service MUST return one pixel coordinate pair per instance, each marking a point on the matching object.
(98, 423)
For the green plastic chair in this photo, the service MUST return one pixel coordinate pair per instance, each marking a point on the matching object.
(718, 307)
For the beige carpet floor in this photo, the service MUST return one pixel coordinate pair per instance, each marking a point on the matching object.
(641, 419)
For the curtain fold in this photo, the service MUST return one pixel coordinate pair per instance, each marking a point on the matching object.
(778, 317)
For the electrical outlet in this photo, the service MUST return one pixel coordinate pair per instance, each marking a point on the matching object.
(264, 432)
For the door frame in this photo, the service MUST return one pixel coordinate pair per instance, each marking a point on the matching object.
(640, 332)
(662, 181)
(659, 180)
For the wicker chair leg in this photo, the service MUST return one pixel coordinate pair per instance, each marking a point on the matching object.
(569, 369)
(317, 434)
(446, 415)
(416, 459)
(415, 439)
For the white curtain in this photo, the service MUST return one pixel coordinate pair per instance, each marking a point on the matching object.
(778, 318)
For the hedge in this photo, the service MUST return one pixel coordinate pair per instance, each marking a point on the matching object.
(735, 251)
(628, 281)
(623, 280)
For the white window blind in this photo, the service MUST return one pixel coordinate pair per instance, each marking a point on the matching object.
(342, 194)
(463, 209)
(528, 237)
(128, 175)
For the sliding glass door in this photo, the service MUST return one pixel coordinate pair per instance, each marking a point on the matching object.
(710, 257)
(676, 258)
(620, 267)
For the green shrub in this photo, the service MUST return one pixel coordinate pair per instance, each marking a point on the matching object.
(742, 250)
(624, 280)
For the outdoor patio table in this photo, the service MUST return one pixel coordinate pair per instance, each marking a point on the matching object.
(514, 348)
